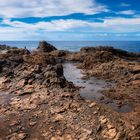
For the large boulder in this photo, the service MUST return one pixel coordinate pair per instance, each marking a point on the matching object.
(45, 47)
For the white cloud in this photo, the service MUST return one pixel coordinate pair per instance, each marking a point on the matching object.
(127, 12)
(19, 30)
(45, 8)
(109, 25)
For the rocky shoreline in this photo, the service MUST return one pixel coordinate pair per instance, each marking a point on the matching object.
(38, 103)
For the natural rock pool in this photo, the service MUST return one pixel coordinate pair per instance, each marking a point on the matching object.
(91, 88)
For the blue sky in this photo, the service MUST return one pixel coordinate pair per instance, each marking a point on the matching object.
(70, 20)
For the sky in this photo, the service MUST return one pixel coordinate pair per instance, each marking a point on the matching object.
(70, 20)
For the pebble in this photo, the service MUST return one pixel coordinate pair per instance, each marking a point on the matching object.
(103, 120)
(58, 117)
(92, 104)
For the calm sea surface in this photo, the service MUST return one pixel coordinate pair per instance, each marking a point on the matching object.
(132, 46)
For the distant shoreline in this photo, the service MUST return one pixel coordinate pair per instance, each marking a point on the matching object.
(131, 46)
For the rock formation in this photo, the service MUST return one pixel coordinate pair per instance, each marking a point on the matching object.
(37, 102)
(45, 47)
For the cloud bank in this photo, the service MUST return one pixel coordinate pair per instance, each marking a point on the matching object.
(110, 25)
(46, 8)
(96, 19)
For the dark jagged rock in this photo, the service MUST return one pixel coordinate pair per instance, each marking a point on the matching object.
(34, 68)
(115, 52)
(1, 65)
(39, 58)
(45, 47)
(18, 52)
(59, 70)
(59, 53)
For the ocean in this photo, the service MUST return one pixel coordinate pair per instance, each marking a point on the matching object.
(131, 46)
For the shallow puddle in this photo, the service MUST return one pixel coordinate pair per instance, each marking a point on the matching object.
(91, 88)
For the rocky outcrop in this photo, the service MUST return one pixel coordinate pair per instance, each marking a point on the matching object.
(39, 58)
(23, 68)
(45, 47)
(110, 50)
(119, 66)
(37, 102)
(59, 53)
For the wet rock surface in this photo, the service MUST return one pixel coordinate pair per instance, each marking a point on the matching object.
(37, 101)
(92, 88)
(119, 66)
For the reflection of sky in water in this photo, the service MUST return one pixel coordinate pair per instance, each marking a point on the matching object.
(90, 89)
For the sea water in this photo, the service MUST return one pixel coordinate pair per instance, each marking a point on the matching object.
(131, 46)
